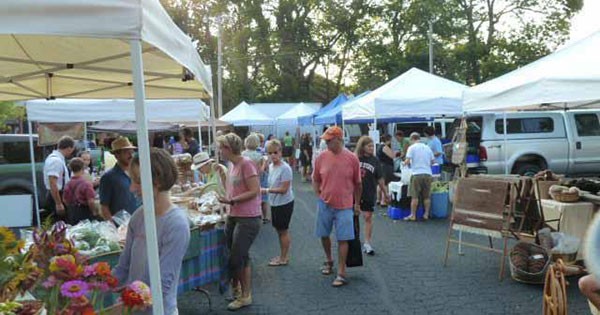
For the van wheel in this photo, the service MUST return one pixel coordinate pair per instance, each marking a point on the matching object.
(527, 169)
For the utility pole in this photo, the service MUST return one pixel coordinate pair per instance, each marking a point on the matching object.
(220, 67)
(430, 35)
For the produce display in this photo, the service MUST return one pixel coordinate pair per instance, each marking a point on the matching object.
(93, 238)
(585, 185)
(439, 187)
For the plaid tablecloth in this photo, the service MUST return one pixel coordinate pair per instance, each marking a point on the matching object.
(203, 263)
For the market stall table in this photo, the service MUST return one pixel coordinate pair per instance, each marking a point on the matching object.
(571, 218)
(203, 263)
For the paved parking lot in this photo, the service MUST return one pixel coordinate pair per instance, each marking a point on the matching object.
(405, 276)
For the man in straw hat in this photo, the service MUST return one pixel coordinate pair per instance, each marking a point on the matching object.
(114, 184)
(337, 181)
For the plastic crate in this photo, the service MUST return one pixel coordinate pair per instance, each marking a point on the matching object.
(396, 213)
(436, 169)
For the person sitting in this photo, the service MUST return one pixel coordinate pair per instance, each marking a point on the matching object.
(172, 231)
(213, 173)
(79, 194)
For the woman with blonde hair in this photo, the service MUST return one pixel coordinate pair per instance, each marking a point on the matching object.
(372, 175)
(243, 222)
(281, 197)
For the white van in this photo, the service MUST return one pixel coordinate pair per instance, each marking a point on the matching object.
(566, 142)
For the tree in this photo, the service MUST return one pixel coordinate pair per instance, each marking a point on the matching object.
(10, 111)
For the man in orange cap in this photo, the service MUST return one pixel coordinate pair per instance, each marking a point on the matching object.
(337, 182)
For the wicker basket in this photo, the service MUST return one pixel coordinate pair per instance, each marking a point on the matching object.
(568, 259)
(566, 197)
(524, 276)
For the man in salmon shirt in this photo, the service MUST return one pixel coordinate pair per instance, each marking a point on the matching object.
(337, 182)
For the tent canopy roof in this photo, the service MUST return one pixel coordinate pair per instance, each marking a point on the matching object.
(414, 87)
(67, 110)
(274, 110)
(246, 115)
(291, 117)
(421, 94)
(130, 127)
(334, 104)
(570, 76)
(80, 49)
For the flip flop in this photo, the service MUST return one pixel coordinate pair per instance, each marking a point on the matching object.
(327, 268)
(339, 282)
(409, 218)
(425, 217)
(276, 262)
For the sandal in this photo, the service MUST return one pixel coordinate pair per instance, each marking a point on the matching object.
(409, 218)
(276, 262)
(339, 281)
(425, 217)
(327, 268)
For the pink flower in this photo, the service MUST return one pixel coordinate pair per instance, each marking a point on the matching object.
(100, 285)
(74, 289)
(50, 282)
(89, 271)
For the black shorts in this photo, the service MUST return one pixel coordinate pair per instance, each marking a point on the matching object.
(287, 151)
(368, 206)
(281, 216)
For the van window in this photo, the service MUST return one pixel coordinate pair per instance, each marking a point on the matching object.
(18, 152)
(587, 125)
(526, 125)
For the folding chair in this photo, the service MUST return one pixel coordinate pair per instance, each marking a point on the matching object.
(483, 207)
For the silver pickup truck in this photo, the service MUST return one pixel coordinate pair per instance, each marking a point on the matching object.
(566, 142)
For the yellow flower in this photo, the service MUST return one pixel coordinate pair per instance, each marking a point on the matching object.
(8, 240)
(58, 263)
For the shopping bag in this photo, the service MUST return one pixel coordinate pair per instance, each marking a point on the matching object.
(406, 174)
(354, 258)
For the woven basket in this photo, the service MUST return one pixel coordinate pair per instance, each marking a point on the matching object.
(524, 276)
(566, 197)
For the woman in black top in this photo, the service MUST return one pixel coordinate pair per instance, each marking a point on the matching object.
(306, 156)
(371, 175)
(386, 155)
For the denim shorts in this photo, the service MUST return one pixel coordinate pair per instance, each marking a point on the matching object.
(343, 220)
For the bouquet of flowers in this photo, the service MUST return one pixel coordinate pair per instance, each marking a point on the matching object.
(73, 285)
(18, 272)
(136, 297)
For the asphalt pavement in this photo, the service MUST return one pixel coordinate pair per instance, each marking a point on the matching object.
(406, 275)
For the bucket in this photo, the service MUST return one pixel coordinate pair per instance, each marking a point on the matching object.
(439, 205)
(396, 213)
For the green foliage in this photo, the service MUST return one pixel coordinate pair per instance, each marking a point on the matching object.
(10, 111)
(310, 50)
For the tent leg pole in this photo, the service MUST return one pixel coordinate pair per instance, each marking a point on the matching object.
(33, 175)
(213, 126)
(199, 136)
(146, 177)
(505, 146)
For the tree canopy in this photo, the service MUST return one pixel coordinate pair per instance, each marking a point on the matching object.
(311, 50)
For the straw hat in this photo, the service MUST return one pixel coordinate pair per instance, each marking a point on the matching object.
(121, 143)
(200, 159)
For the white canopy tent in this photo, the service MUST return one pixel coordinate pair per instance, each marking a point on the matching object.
(420, 94)
(92, 49)
(414, 93)
(274, 110)
(82, 110)
(245, 115)
(567, 78)
(291, 116)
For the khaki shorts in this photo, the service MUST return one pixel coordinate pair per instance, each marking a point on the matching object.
(420, 186)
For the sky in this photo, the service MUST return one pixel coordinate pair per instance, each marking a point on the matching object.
(586, 21)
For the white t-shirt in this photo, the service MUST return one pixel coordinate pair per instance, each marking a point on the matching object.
(56, 166)
(421, 157)
(277, 176)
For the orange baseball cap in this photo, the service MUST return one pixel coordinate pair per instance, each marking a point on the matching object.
(332, 132)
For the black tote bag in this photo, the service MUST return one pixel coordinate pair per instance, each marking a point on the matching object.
(355, 258)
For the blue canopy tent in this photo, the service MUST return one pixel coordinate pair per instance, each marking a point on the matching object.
(333, 115)
(336, 102)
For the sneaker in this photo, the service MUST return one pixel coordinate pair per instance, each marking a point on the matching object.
(368, 249)
(236, 293)
(239, 303)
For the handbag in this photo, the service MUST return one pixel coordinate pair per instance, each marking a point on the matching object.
(354, 258)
